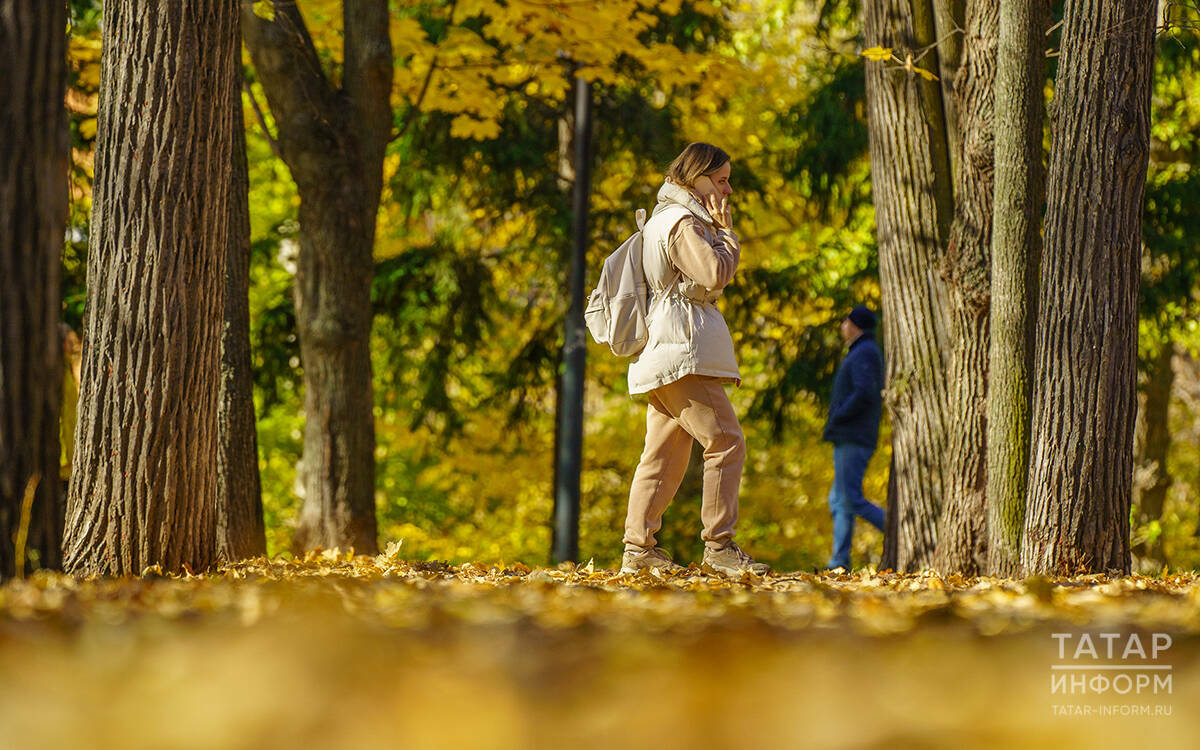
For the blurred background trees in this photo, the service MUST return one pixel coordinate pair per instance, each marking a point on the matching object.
(33, 155)
(466, 280)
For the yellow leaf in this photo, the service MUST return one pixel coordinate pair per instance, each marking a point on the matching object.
(878, 54)
(264, 9)
(87, 128)
(465, 126)
(89, 76)
(925, 74)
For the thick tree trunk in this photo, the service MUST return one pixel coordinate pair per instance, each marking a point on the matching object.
(910, 180)
(962, 536)
(1152, 442)
(1016, 252)
(333, 314)
(1084, 398)
(33, 214)
(143, 488)
(333, 141)
(240, 532)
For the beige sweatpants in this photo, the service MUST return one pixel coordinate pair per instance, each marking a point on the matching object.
(694, 407)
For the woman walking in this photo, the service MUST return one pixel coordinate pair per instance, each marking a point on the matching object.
(689, 254)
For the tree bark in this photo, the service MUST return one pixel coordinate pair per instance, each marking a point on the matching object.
(889, 560)
(1084, 398)
(33, 215)
(913, 208)
(962, 536)
(1152, 443)
(1186, 388)
(1016, 253)
(143, 488)
(240, 530)
(949, 18)
(333, 141)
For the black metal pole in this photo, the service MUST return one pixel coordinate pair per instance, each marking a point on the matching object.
(570, 415)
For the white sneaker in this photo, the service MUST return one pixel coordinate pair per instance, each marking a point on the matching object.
(651, 557)
(732, 561)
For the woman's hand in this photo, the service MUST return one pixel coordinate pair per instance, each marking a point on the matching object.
(719, 209)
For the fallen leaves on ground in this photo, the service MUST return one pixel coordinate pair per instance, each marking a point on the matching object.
(342, 651)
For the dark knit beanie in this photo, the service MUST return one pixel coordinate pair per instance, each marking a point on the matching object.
(863, 318)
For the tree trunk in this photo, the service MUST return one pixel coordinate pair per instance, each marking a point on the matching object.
(1152, 442)
(333, 142)
(1084, 399)
(889, 560)
(1186, 388)
(949, 18)
(240, 532)
(33, 215)
(1016, 252)
(962, 535)
(143, 488)
(910, 180)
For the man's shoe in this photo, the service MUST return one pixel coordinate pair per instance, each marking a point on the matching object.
(650, 557)
(732, 561)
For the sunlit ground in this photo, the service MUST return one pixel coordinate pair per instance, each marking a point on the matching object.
(376, 652)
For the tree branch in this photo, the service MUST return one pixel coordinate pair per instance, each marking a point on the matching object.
(308, 113)
(262, 121)
(433, 64)
(415, 108)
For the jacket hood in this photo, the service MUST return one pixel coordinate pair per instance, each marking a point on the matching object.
(670, 193)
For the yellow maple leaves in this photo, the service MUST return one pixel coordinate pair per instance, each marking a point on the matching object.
(84, 56)
(878, 54)
(339, 652)
(496, 48)
(885, 54)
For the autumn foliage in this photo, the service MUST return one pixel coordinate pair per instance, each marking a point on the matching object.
(470, 249)
(341, 652)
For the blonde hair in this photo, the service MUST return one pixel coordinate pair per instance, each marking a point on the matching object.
(696, 160)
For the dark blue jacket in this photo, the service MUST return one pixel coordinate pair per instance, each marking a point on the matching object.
(857, 402)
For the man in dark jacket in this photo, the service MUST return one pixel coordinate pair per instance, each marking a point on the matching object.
(853, 428)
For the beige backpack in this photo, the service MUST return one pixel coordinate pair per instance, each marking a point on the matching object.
(616, 309)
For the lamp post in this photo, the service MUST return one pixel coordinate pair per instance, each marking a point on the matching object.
(569, 461)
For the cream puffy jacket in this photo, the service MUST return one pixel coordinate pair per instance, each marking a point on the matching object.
(688, 261)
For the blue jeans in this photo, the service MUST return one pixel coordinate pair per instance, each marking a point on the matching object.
(846, 499)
